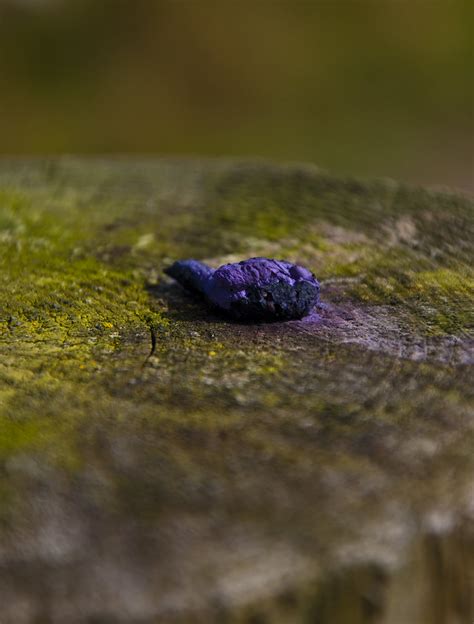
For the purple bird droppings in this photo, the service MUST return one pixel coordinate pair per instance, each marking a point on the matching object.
(254, 289)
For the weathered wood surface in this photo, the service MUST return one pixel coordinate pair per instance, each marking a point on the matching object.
(161, 464)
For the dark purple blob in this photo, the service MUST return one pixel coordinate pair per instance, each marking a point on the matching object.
(254, 289)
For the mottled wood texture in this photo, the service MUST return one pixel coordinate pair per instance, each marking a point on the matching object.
(161, 464)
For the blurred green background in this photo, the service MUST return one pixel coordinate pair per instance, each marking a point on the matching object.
(382, 87)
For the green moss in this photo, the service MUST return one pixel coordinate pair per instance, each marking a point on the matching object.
(39, 436)
(63, 314)
(440, 300)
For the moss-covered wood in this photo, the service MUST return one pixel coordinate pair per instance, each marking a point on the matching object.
(162, 464)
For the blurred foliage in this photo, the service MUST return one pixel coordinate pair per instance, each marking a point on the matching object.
(382, 87)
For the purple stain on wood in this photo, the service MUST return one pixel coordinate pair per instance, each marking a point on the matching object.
(254, 289)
